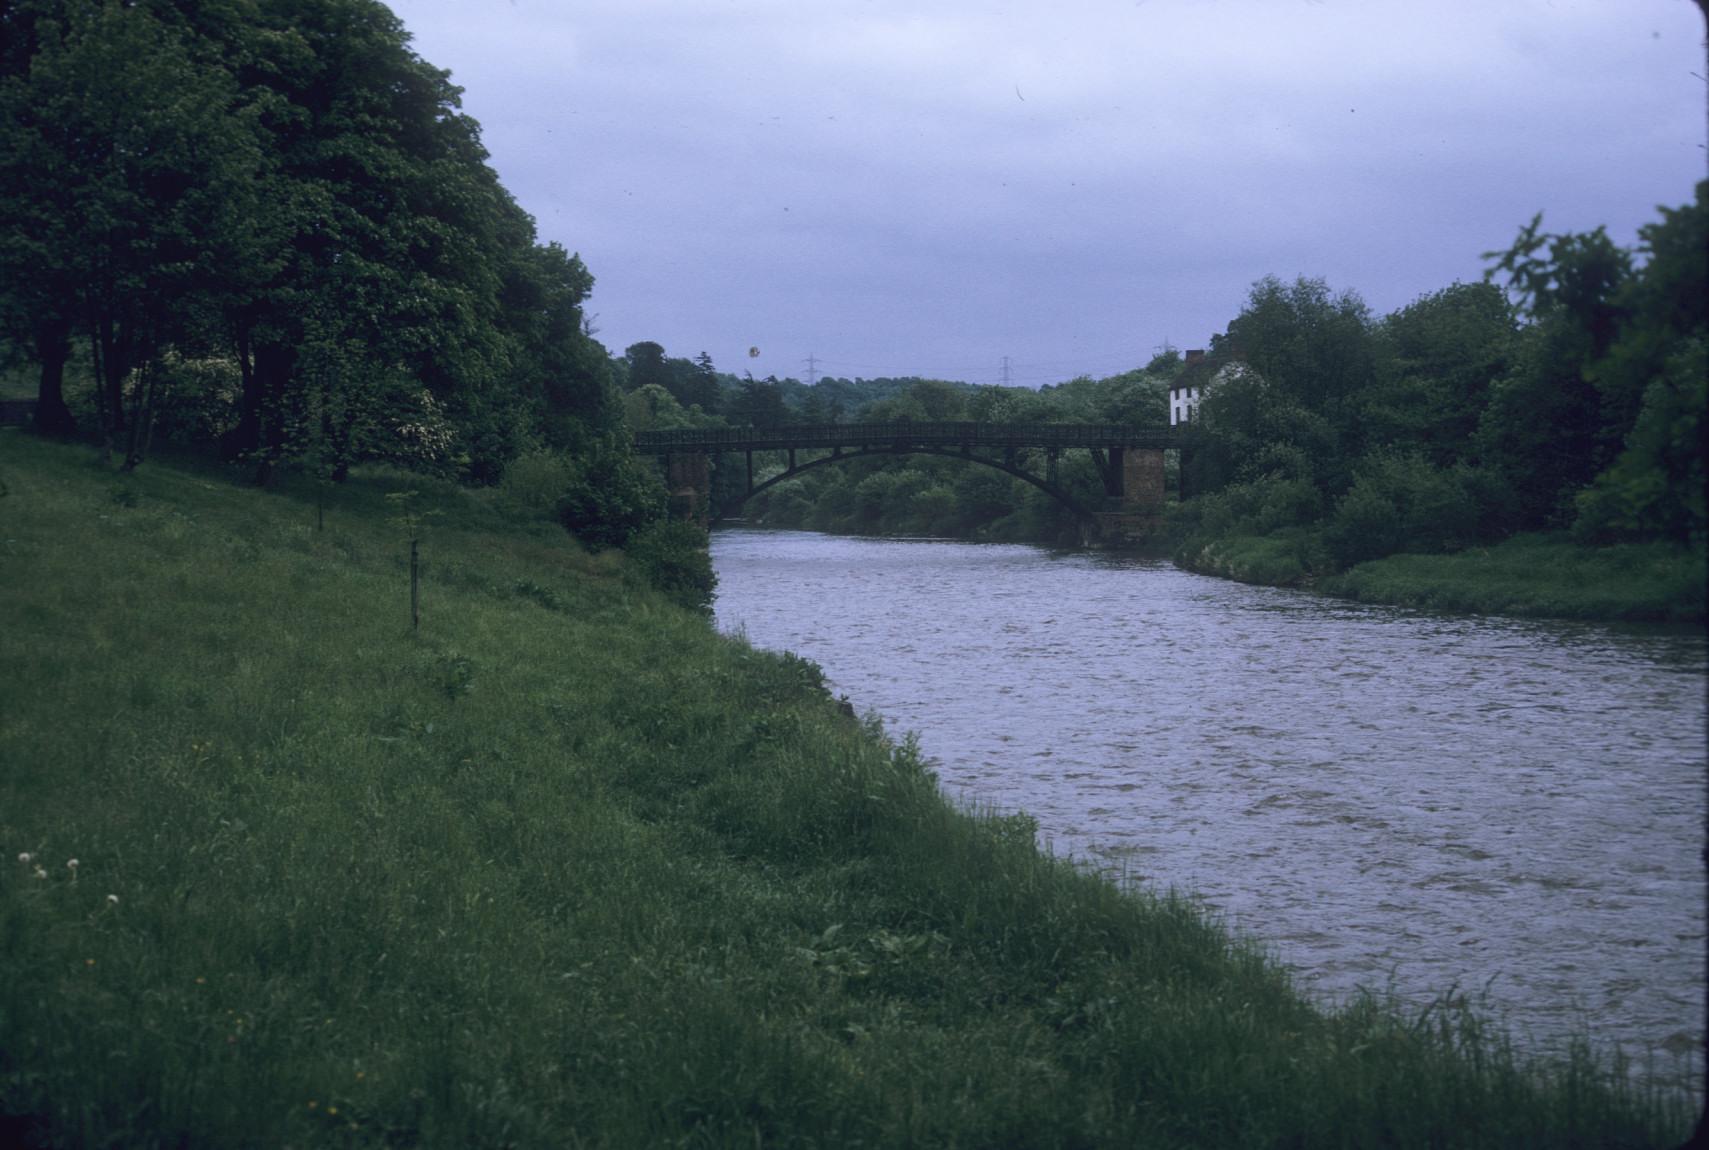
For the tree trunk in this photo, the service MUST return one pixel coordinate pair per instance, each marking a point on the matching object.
(273, 366)
(142, 417)
(53, 349)
(116, 364)
(101, 416)
(243, 439)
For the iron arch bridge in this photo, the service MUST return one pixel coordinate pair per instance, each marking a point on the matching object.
(1129, 460)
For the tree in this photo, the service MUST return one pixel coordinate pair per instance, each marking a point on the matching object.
(1249, 429)
(1652, 384)
(646, 361)
(1437, 359)
(704, 391)
(556, 367)
(1544, 427)
(1309, 343)
(127, 172)
(758, 404)
(1165, 363)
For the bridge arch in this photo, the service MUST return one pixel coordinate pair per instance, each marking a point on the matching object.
(1055, 491)
(1129, 460)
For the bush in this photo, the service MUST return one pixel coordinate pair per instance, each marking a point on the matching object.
(1366, 525)
(671, 556)
(534, 483)
(932, 511)
(611, 495)
(787, 505)
(1258, 507)
(1401, 502)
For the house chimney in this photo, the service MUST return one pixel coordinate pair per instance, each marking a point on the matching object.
(1196, 356)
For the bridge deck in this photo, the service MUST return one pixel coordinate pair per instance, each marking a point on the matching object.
(902, 435)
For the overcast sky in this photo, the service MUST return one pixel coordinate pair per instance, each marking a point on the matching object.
(924, 188)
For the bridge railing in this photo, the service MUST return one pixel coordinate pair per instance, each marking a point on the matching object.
(902, 434)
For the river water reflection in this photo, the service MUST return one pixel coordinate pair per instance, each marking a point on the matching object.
(1383, 796)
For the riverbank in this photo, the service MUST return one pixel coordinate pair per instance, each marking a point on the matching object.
(567, 867)
(1541, 576)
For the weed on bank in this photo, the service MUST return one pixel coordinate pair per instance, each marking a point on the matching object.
(565, 868)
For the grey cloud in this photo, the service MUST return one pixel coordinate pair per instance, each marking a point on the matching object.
(924, 189)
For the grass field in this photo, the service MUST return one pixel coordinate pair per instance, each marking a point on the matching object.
(565, 868)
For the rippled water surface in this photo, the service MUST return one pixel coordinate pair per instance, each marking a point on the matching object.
(1383, 796)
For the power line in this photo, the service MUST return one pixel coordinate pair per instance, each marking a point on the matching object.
(1012, 372)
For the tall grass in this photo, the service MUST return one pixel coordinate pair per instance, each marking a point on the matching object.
(1543, 575)
(567, 869)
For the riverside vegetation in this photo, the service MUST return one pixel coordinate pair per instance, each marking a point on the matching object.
(1541, 444)
(565, 867)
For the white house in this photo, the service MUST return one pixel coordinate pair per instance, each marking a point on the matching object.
(1198, 376)
(1188, 389)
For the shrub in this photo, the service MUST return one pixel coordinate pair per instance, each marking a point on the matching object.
(1499, 513)
(671, 556)
(932, 511)
(534, 482)
(788, 504)
(611, 495)
(1257, 507)
(1401, 502)
(1366, 525)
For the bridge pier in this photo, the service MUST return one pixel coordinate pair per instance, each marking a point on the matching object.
(1133, 511)
(688, 478)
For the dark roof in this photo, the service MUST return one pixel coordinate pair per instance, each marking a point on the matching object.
(1198, 373)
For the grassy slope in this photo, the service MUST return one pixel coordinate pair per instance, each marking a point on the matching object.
(569, 869)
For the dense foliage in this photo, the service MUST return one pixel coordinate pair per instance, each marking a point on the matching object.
(266, 225)
(1565, 393)
(1571, 401)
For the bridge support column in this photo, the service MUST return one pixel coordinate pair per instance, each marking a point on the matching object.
(688, 477)
(1135, 514)
(1142, 480)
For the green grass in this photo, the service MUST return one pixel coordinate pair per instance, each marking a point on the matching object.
(568, 869)
(1539, 575)
(1282, 559)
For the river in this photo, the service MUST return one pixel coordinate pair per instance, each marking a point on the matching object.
(1384, 797)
